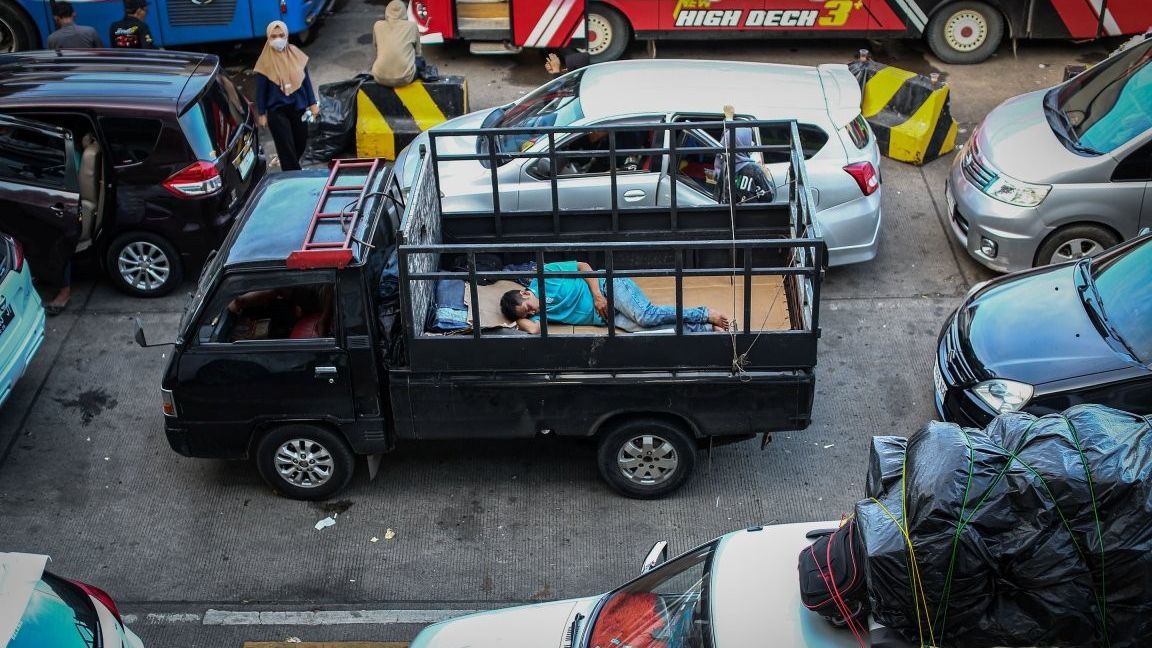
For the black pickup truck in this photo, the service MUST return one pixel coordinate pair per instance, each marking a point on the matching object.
(343, 315)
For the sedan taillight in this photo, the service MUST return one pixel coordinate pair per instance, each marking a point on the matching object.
(99, 595)
(196, 180)
(17, 256)
(865, 176)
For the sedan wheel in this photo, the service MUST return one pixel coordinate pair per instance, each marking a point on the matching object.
(646, 458)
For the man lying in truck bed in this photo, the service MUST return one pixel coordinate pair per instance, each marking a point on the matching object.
(581, 302)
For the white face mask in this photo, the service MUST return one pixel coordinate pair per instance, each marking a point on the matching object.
(279, 44)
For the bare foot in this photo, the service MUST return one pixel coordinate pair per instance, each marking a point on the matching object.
(718, 320)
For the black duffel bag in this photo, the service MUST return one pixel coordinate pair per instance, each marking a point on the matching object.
(832, 577)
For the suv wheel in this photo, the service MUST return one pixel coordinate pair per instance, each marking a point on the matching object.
(646, 458)
(965, 32)
(144, 265)
(1075, 242)
(305, 462)
(17, 31)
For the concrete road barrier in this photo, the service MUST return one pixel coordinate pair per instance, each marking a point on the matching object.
(387, 119)
(909, 112)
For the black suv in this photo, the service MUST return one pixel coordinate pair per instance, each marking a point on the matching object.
(153, 152)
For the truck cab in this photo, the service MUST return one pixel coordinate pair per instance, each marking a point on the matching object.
(342, 316)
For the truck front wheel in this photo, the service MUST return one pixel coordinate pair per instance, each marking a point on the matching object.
(646, 458)
(17, 31)
(608, 34)
(305, 462)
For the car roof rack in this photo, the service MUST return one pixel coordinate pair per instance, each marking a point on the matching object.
(328, 241)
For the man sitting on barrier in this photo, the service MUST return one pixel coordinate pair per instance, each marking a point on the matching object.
(581, 302)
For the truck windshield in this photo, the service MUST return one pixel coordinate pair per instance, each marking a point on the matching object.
(554, 104)
(668, 605)
(1108, 105)
(1126, 296)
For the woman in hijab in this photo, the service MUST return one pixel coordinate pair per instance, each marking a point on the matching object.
(752, 183)
(397, 47)
(283, 94)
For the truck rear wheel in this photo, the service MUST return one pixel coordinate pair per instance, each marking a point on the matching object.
(17, 31)
(608, 34)
(965, 32)
(305, 462)
(646, 458)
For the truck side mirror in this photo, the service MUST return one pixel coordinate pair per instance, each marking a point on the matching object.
(140, 340)
(657, 556)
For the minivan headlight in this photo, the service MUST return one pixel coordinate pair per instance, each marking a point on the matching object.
(1017, 192)
(1004, 395)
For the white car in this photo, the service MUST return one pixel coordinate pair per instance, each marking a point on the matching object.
(736, 591)
(39, 609)
(842, 159)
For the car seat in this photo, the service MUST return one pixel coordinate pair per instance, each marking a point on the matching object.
(91, 178)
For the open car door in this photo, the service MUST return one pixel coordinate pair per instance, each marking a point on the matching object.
(38, 178)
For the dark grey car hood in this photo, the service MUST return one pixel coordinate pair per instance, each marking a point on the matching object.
(1033, 328)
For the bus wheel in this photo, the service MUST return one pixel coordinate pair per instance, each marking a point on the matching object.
(608, 34)
(965, 32)
(305, 462)
(646, 458)
(17, 31)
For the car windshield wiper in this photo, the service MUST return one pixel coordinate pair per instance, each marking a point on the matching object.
(1095, 306)
(1063, 129)
(574, 629)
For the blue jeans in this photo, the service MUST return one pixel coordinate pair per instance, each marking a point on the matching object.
(634, 312)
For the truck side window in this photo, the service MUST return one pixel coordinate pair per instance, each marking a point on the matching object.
(295, 312)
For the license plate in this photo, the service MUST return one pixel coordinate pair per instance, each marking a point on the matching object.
(938, 380)
(245, 161)
(6, 315)
(949, 201)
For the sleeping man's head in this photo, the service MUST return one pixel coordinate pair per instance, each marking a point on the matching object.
(519, 304)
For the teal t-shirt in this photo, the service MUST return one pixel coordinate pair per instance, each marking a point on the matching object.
(569, 300)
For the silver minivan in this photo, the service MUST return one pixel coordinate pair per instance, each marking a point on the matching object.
(1059, 174)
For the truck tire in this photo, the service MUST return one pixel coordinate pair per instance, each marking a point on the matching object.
(17, 31)
(305, 462)
(142, 264)
(608, 34)
(1074, 242)
(965, 32)
(646, 458)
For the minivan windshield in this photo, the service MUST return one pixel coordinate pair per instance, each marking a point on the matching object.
(554, 104)
(668, 605)
(1124, 283)
(1110, 104)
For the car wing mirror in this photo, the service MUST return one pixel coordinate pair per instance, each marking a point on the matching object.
(544, 168)
(657, 556)
(1144, 231)
(139, 335)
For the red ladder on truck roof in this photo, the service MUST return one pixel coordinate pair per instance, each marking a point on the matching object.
(321, 248)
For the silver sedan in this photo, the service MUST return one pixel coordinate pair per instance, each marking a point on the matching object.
(842, 159)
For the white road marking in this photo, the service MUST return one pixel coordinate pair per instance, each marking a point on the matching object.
(300, 617)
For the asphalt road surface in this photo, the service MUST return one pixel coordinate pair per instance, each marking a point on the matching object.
(201, 553)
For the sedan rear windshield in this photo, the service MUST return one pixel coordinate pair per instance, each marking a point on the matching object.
(1110, 104)
(213, 120)
(58, 615)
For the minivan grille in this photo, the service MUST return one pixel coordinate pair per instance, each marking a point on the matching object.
(193, 13)
(977, 172)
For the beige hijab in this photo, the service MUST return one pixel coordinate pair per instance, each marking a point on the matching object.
(285, 69)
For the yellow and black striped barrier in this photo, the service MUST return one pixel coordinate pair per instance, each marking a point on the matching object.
(387, 119)
(909, 112)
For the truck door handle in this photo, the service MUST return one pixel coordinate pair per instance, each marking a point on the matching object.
(326, 372)
(632, 195)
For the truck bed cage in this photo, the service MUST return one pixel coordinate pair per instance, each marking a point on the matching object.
(325, 246)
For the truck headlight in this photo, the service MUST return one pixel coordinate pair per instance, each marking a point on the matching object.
(1004, 395)
(1017, 192)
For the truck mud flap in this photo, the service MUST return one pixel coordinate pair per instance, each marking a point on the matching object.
(909, 112)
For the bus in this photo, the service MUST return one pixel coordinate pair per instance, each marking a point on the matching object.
(26, 24)
(957, 31)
